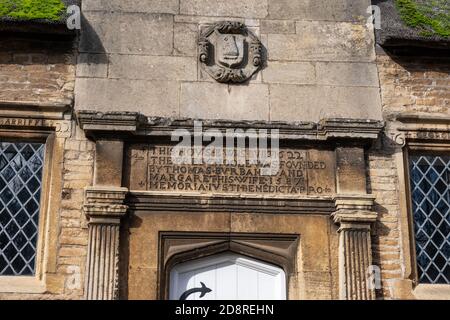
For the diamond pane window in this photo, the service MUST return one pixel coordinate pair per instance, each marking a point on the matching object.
(20, 188)
(430, 193)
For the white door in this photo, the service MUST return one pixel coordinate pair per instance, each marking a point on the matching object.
(227, 277)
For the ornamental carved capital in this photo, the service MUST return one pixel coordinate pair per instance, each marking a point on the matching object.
(354, 211)
(105, 204)
(229, 52)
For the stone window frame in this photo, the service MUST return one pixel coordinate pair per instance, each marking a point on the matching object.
(52, 134)
(208, 244)
(420, 289)
(415, 133)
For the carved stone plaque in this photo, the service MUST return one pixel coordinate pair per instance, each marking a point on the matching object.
(229, 52)
(301, 172)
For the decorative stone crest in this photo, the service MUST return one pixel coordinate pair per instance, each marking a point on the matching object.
(229, 52)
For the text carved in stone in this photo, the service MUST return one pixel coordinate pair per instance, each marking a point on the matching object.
(301, 172)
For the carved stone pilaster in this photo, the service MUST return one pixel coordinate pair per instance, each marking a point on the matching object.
(104, 208)
(354, 217)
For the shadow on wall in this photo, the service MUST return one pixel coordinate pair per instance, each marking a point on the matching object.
(90, 42)
(26, 48)
(420, 58)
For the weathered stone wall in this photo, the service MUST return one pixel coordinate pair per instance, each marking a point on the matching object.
(414, 84)
(40, 72)
(73, 234)
(142, 56)
(36, 70)
(383, 183)
(408, 85)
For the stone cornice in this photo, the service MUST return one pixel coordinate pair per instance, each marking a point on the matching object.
(196, 202)
(95, 123)
(423, 118)
(419, 126)
(37, 110)
(350, 128)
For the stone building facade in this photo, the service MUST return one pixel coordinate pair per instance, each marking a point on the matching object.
(116, 218)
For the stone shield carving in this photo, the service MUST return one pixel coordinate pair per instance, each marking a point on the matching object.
(229, 52)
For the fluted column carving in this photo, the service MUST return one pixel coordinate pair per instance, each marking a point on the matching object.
(104, 209)
(354, 217)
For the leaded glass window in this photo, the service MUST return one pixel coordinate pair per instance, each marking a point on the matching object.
(429, 176)
(21, 166)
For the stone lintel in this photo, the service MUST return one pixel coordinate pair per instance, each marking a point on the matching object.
(94, 122)
(411, 127)
(36, 110)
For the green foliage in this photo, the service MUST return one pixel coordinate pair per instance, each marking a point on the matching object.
(32, 9)
(431, 17)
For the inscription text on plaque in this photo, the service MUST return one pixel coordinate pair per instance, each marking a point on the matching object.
(301, 172)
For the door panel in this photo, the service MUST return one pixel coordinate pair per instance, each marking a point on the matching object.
(227, 277)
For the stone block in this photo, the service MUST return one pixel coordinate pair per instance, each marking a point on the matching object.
(153, 98)
(347, 74)
(289, 72)
(233, 8)
(351, 170)
(323, 41)
(108, 163)
(55, 283)
(206, 100)
(328, 10)
(92, 65)
(277, 26)
(153, 6)
(185, 39)
(308, 103)
(152, 67)
(132, 33)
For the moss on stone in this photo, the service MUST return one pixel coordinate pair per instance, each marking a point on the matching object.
(431, 17)
(52, 10)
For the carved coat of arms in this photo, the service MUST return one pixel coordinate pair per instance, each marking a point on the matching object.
(229, 52)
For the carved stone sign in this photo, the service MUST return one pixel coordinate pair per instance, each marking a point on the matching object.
(301, 172)
(229, 52)
(62, 127)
